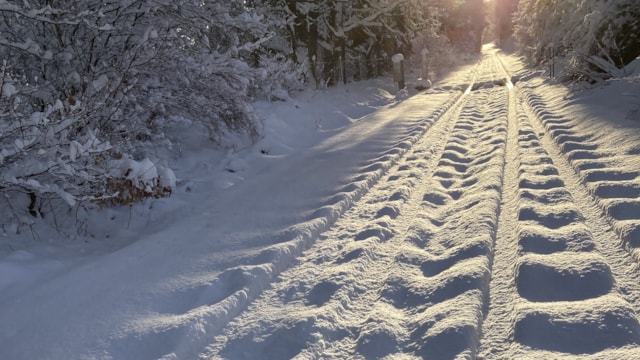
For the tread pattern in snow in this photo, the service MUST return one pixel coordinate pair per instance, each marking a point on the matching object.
(568, 293)
(610, 177)
(410, 270)
(571, 303)
(401, 261)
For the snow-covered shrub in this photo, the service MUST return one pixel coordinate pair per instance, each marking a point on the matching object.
(85, 83)
(130, 181)
(596, 37)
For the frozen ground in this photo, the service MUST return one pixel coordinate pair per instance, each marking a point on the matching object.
(494, 216)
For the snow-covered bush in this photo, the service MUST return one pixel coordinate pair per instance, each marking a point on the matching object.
(131, 181)
(87, 86)
(595, 37)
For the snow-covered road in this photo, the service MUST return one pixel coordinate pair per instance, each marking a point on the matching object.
(480, 242)
(478, 219)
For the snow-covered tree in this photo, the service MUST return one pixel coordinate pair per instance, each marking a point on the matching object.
(504, 11)
(88, 88)
(595, 36)
(461, 21)
(354, 39)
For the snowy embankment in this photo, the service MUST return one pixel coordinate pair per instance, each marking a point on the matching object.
(496, 222)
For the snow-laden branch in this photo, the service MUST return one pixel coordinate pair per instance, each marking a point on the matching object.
(369, 20)
(42, 15)
(29, 46)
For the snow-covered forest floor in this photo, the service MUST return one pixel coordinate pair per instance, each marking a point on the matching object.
(495, 215)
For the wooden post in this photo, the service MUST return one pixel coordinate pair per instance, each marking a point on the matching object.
(398, 70)
(425, 63)
(343, 74)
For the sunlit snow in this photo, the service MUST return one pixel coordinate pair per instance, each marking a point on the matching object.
(470, 219)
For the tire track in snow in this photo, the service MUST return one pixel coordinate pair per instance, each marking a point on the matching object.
(572, 305)
(612, 179)
(497, 330)
(334, 277)
(352, 308)
(404, 273)
(570, 293)
(441, 282)
(184, 325)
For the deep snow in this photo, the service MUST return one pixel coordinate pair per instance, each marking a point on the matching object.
(165, 278)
